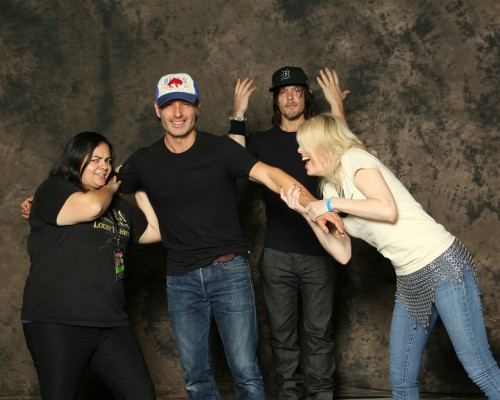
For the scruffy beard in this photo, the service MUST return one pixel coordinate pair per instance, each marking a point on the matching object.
(293, 116)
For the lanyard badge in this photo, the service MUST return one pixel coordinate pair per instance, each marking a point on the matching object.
(119, 263)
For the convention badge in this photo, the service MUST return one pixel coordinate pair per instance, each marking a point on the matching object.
(119, 263)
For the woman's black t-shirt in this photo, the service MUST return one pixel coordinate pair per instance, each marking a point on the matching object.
(72, 277)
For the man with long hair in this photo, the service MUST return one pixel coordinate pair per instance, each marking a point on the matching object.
(294, 267)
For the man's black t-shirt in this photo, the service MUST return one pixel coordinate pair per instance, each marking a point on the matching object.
(194, 196)
(286, 230)
(72, 275)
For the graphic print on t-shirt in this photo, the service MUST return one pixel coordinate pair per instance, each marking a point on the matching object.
(114, 222)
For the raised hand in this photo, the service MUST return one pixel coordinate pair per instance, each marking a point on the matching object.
(329, 83)
(242, 93)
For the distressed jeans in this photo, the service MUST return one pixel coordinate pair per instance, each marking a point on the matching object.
(220, 292)
(459, 307)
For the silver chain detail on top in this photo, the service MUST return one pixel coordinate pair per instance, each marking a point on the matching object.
(417, 290)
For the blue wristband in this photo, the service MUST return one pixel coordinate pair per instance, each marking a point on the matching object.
(328, 205)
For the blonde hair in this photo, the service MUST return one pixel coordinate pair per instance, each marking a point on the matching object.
(329, 137)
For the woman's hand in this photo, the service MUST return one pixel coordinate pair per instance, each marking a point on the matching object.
(316, 208)
(334, 219)
(291, 198)
(335, 241)
(26, 207)
(318, 212)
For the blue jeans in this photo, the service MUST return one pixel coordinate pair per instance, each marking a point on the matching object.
(459, 307)
(222, 291)
(286, 277)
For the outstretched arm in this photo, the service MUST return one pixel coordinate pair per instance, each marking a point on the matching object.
(242, 92)
(336, 244)
(329, 83)
(379, 204)
(276, 179)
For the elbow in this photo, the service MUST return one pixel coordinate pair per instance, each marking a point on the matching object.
(95, 210)
(392, 215)
(389, 214)
(343, 258)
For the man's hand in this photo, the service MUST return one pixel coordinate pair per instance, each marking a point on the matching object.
(26, 207)
(114, 183)
(329, 82)
(242, 93)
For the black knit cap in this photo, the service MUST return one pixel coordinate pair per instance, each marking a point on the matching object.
(287, 76)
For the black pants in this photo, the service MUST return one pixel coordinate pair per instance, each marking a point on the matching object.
(62, 353)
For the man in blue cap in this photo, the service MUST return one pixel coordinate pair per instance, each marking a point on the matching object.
(189, 177)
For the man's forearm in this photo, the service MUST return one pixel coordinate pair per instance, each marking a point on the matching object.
(275, 179)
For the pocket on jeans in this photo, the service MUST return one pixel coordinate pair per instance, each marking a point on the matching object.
(238, 263)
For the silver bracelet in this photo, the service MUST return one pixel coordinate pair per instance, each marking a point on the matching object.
(241, 119)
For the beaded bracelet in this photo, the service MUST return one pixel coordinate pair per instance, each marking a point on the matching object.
(243, 119)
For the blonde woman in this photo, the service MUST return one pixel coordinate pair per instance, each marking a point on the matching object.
(436, 276)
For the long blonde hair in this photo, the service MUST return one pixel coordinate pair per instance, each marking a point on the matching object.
(329, 137)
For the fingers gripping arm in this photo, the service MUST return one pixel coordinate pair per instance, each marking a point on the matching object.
(276, 179)
(338, 245)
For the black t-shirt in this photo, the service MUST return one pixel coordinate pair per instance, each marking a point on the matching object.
(286, 230)
(194, 196)
(72, 275)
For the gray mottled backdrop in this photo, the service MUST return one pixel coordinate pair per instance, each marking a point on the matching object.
(424, 77)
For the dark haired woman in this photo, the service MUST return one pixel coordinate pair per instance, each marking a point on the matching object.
(73, 308)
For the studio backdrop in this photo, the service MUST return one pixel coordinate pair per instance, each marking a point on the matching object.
(424, 82)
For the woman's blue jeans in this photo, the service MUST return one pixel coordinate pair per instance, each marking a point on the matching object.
(222, 291)
(459, 307)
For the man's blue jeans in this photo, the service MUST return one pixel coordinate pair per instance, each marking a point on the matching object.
(286, 277)
(459, 307)
(223, 291)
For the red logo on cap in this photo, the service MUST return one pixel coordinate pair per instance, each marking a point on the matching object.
(174, 82)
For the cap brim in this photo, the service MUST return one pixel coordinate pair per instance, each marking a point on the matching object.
(273, 89)
(162, 100)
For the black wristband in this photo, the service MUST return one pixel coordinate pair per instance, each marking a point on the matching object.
(237, 128)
